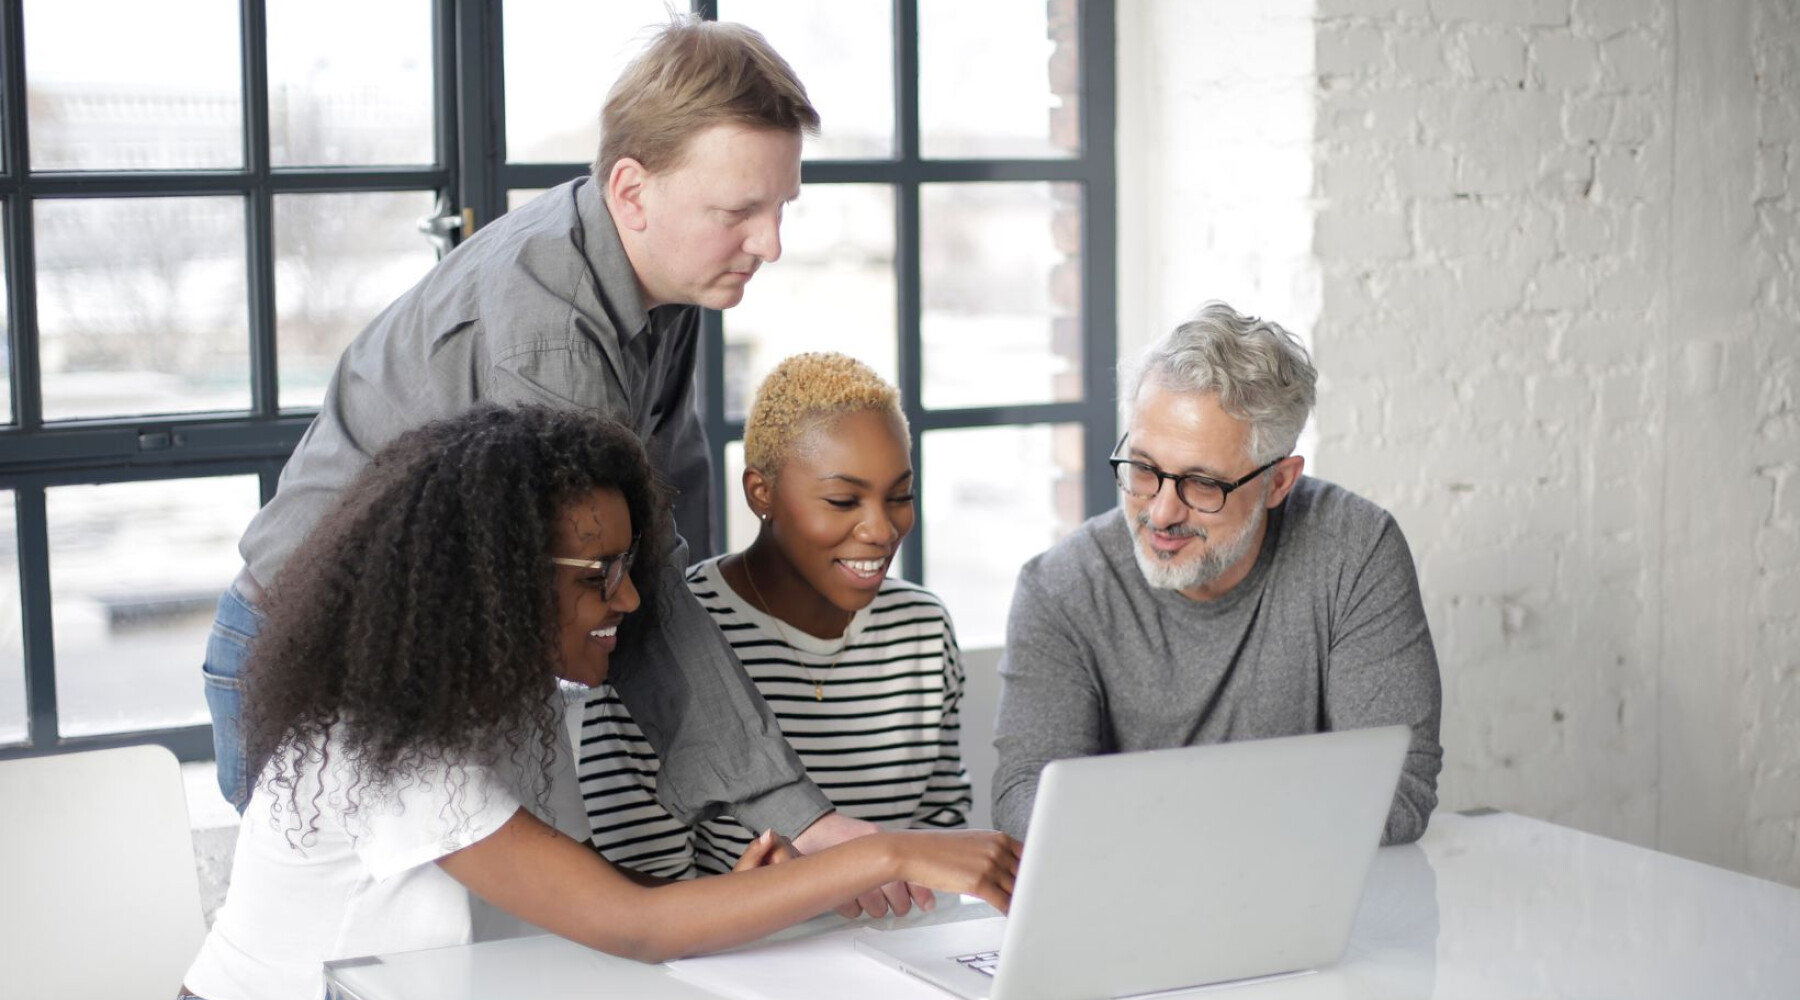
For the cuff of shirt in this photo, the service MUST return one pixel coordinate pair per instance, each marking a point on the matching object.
(787, 810)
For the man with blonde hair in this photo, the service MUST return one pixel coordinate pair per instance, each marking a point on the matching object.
(1228, 597)
(588, 298)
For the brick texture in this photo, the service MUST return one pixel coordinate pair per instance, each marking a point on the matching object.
(1518, 363)
(1548, 256)
(1771, 692)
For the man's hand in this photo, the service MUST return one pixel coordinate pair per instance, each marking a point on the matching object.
(835, 828)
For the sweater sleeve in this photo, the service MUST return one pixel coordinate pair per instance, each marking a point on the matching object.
(1383, 670)
(1051, 706)
(947, 795)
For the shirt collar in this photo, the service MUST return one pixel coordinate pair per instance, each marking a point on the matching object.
(618, 282)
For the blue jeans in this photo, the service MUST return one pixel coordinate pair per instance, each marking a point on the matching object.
(227, 650)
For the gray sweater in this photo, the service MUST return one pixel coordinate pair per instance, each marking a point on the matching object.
(1327, 632)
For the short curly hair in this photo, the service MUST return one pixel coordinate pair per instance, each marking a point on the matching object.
(804, 390)
(418, 622)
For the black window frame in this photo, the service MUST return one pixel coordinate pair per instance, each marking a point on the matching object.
(1094, 170)
(472, 170)
(35, 456)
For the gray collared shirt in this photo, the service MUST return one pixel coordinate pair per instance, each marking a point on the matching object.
(543, 307)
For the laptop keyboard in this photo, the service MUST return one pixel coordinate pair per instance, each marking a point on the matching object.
(984, 962)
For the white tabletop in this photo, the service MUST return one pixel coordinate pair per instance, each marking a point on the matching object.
(1492, 906)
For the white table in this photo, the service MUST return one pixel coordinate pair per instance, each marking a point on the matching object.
(1485, 906)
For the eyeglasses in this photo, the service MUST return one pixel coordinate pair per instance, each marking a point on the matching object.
(1203, 493)
(612, 569)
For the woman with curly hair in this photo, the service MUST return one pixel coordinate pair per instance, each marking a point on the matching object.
(419, 790)
(860, 668)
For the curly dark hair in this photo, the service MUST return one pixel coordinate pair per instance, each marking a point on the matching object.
(418, 621)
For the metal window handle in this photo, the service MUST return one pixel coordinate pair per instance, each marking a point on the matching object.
(445, 223)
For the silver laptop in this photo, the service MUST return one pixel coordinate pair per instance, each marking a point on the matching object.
(1175, 868)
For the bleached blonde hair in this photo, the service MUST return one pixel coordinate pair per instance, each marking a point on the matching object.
(804, 391)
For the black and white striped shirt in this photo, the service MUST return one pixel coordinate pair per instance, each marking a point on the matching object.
(883, 744)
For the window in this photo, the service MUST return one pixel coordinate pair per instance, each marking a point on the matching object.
(198, 213)
(955, 232)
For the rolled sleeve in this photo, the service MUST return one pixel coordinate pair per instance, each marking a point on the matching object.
(1384, 670)
(720, 746)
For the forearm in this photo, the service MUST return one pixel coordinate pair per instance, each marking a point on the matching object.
(644, 879)
(710, 914)
(535, 873)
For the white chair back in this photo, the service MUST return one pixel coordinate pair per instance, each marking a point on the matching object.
(98, 895)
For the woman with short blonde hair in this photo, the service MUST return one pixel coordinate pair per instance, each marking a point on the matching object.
(860, 668)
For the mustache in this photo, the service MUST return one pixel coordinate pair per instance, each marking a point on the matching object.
(1177, 530)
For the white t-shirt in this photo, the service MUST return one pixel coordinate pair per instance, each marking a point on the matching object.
(365, 884)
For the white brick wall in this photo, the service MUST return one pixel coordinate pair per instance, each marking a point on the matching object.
(1552, 288)
(1506, 344)
(1769, 748)
(1571, 375)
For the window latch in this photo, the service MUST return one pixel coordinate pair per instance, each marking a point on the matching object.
(160, 440)
(445, 224)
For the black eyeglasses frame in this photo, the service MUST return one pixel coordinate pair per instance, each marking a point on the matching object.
(1224, 488)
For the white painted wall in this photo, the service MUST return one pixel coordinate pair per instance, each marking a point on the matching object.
(1547, 255)
(1215, 162)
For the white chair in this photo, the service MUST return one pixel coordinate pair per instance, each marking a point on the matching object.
(98, 896)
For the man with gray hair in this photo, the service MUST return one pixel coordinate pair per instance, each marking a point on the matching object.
(1228, 597)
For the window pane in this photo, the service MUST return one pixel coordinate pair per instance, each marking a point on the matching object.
(1001, 320)
(562, 56)
(350, 97)
(142, 306)
(339, 260)
(832, 290)
(994, 497)
(844, 54)
(998, 78)
(135, 572)
(133, 86)
(740, 524)
(13, 714)
(7, 415)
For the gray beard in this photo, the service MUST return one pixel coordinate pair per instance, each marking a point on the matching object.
(1161, 574)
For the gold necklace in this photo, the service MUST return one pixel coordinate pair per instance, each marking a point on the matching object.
(769, 609)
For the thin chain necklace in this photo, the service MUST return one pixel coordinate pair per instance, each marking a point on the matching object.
(769, 609)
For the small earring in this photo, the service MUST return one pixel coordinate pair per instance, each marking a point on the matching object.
(764, 515)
